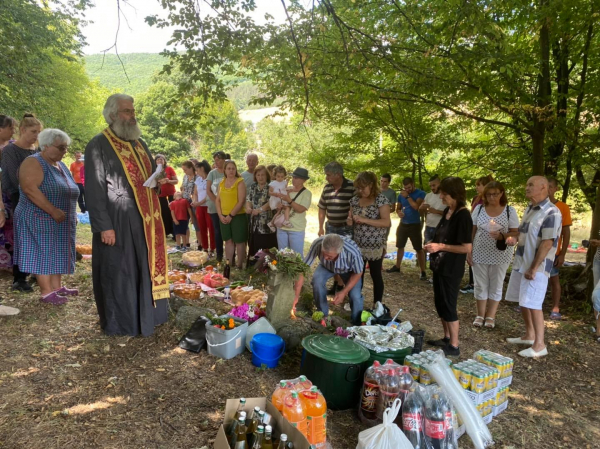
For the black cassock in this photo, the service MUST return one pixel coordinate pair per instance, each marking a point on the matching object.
(120, 273)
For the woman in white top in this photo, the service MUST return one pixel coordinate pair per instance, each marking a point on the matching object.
(493, 222)
(205, 224)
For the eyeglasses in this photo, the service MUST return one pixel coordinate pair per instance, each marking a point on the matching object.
(62, 148)
(493, 195)
(127, 111)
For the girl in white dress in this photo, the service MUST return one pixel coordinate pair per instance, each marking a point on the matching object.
(280, 185)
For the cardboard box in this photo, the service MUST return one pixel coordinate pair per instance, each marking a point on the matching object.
(488, 419)
(500, 408)
(504, 382)
(461, 431)
(278, 422)
(479, 398)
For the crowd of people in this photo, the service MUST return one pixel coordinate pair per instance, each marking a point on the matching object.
(234, 215)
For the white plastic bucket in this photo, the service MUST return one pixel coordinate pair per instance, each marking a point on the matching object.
(226, 344)
(260, 326)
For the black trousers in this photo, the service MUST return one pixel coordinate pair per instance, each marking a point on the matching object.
(376, 276)
(166, 214)
(81, 199)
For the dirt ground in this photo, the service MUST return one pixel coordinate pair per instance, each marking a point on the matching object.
(64, 384)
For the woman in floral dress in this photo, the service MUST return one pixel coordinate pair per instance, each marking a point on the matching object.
(257, 208)
(370, 216)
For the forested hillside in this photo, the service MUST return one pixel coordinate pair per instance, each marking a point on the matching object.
(139, 68)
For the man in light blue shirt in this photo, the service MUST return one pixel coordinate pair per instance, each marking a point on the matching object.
(337, 255)
(407, 207)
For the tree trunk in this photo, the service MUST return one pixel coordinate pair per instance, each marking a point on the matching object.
(543, 100)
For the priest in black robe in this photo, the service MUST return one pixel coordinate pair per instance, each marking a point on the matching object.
(129, 258)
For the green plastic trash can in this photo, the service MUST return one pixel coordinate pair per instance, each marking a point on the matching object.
(336, 366)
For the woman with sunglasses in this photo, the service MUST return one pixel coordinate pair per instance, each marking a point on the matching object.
(46, 217)
(493, 222)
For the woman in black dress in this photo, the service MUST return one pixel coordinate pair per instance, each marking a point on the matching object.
(448, 254)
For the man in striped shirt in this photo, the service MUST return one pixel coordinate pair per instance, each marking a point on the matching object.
(334, 205)
(337, 256)
(534, 259)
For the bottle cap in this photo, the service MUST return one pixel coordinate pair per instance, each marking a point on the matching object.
(376, 363)
(260, 429)
(257, 409)
(283, 437)
(282, 383)
(261, 413)
(314, 389)
(268, 429)
(243, 413)
(303, 378)
(295, 394)
(243, 400)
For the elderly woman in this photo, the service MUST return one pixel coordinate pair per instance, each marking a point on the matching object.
(257, 208)
(13, 156)
(213, 180)
(230, 207)
(370, 217)
(199, 198)
(187, 191)
(448, 254)
(493, 222)
(167, 185)
(46, 217)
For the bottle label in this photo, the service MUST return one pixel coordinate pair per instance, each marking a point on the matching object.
(448, 421)
(369, 397)
(302, 426)
(435, 429)
(317, 430)
(412, 422)
(388, 399)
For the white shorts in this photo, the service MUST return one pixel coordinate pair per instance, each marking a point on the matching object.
(529, 294)
(489, 280)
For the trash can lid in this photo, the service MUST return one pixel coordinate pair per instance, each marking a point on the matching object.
(335, 349)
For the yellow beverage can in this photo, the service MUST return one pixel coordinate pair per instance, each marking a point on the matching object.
(415, 369)
(424, 375)
(456, 371)
(477, 382)
(465, 378)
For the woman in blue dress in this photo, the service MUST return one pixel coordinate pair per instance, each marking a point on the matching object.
(46, 218)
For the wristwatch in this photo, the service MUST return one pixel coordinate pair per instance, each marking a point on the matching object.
(3, 210)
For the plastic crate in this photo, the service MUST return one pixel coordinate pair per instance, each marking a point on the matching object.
(419, 336)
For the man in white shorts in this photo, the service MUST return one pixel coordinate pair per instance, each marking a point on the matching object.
(534, 258)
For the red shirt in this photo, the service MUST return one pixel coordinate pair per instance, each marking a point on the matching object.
(167, 189)
(75, 171)
(180, 207)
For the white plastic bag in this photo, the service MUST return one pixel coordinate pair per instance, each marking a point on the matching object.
(476, 428)
(387, 435)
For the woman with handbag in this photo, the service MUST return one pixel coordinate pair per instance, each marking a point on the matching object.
(448, 255)
(493, 222)
(259, 213)
(369, 216)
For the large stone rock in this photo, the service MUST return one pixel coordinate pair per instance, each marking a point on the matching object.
(186, 315)
(338, 321)
(293, 331)
(281, 298)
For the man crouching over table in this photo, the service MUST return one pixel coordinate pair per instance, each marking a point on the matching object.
(337, 255)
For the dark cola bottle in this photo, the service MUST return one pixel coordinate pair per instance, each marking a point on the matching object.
(405, 382)
(435, 422)
(413, 419)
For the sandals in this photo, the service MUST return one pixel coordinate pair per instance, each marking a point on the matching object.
(478, 321)
(490, 322)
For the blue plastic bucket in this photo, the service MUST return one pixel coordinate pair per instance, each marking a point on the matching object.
(266, 349)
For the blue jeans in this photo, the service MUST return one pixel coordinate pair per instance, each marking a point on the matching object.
(291, 239)
(429, 233)
(319, 283)
(218, 238)
(596, 292)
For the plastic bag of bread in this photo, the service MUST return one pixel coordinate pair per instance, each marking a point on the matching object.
(194, 258)
(215, 280)
(187, 291)
(177, 275)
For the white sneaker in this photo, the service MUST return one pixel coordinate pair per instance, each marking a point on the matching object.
(8, 311)
(347, 307)
(519, 341)
(530, 353)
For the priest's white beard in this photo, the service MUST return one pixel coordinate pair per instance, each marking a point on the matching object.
(126, 129)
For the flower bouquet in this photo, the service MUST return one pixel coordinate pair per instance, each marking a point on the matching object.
(285, 261)
(223, 323)
(247, 312)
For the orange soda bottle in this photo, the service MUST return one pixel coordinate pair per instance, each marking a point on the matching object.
(279, 394)
(315, 407)
(294, 412)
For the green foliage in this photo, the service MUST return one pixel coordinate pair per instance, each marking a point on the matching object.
(41, 72)
(140, 68)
